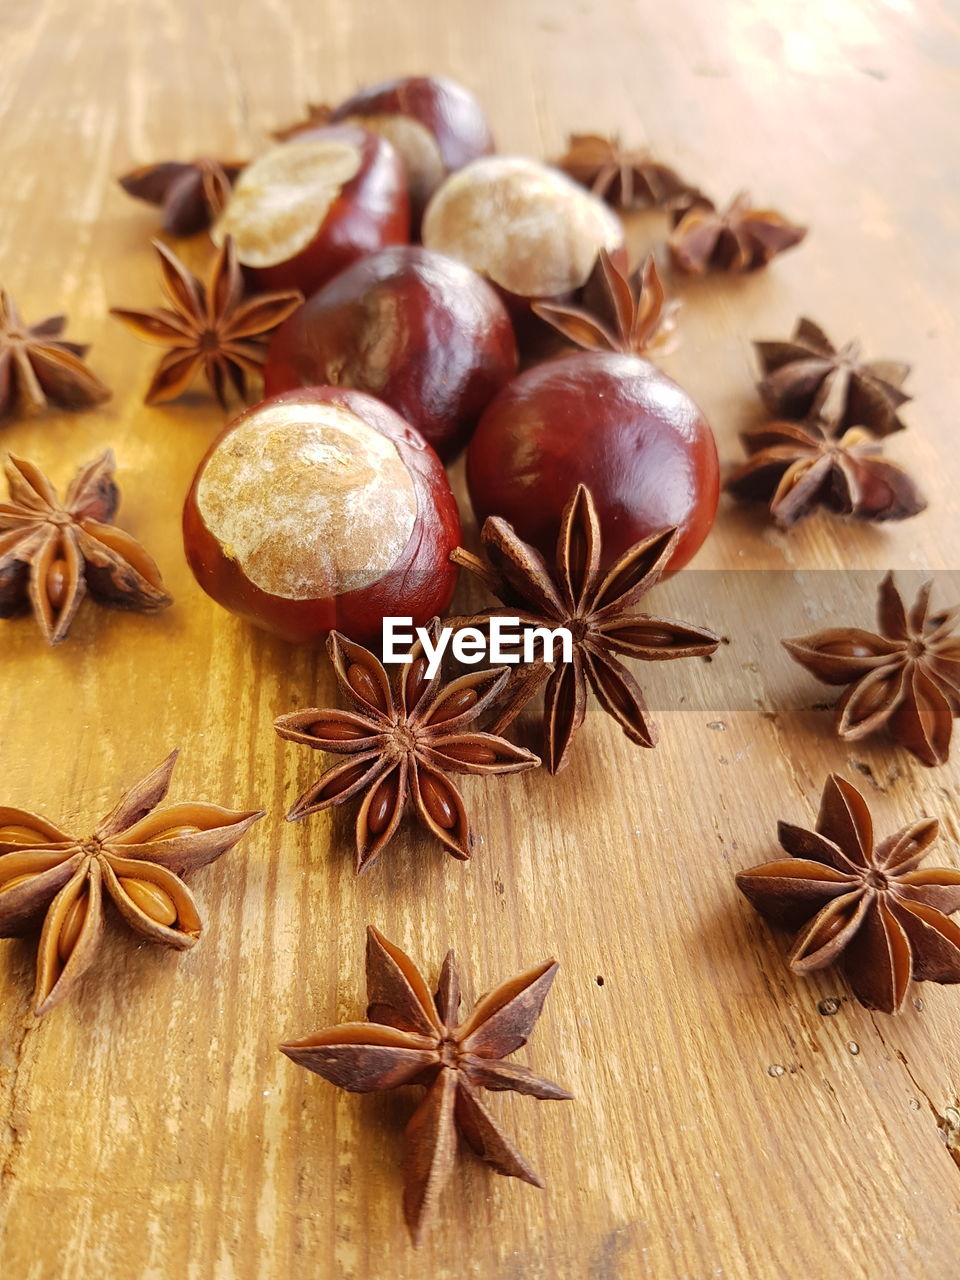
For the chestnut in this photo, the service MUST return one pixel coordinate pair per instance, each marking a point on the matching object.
(425, 334)
(531, 230)
(322, 508)
(612, 422)
(435, 124)
(309, 207)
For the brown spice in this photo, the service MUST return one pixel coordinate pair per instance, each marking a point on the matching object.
(53, 553)
(626, 177)
(411, 1038)
(867, 906)
(400, 744)
(906, 678)
(38, 368)
(738, 238)
(208, 327)
(135, 856)
(192, 195)
(598, 611)
(798, 467)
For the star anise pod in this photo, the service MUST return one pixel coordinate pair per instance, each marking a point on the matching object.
(797, 467)
(807, 377)
(318, 114)
(626, 177)
(37, 367)
(210, 327)
(907, 678)
(597, 609)
(740, 238)
(411, 1038)
(192, 195)
(52, 553)
(868, 907)
(625, 313)
(135, 857)
(401, 743)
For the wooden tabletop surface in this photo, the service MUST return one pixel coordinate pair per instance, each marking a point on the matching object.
(723, 1125)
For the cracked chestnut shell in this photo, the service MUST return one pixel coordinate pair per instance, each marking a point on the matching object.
(422, 332)
(319, 509)
(309, 207)
(435, 124)
(612, 422)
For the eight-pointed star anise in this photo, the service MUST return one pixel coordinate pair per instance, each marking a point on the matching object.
(597, 609)
(52, 553)
(37, 367)
(870, 907)
(797, 467)
(135, 856)
(628, 178)
(906, 678)
(411, 1038)
(400, 743)
(210, 327)
(619, 312)
(738, 238)
(807, 377)
(192, 195)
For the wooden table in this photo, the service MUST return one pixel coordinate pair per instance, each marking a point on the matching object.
(723, 1125)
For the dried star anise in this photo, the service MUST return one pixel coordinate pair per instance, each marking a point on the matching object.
(52, 553)
(134, 855)
(37, 368)
(628, 178)
(907, 678)
(318, 113)
(740, 238)
(598, 611)
(191, 195)
(807, 377)
(211, 327)
(797, 467)
(867, 906)
(400, 743)
(411, 1038)
(625, 313)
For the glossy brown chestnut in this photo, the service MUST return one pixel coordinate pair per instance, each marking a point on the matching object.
(531, 230)
(322, 508)
(612, 422)
(309, 207)
(435, 124)
(423, 333)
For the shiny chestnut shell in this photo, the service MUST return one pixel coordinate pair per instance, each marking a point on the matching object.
(424, 333)
(612, 422)
(368, 210)
(418, 583)
(449, 127)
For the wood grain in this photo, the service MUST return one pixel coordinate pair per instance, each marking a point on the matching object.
(723, 1125)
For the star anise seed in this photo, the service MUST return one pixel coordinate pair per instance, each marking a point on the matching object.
(135, 856)
(400, 744)
(210, 327)
(797, 467)
(413, 1038)
(629, 314)
(37, 368)
(192, 195)
(906, 678)
(867, 906)
(807, 377)
(597, 609)
(740, 238)
(52, 553)
(627, 178)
